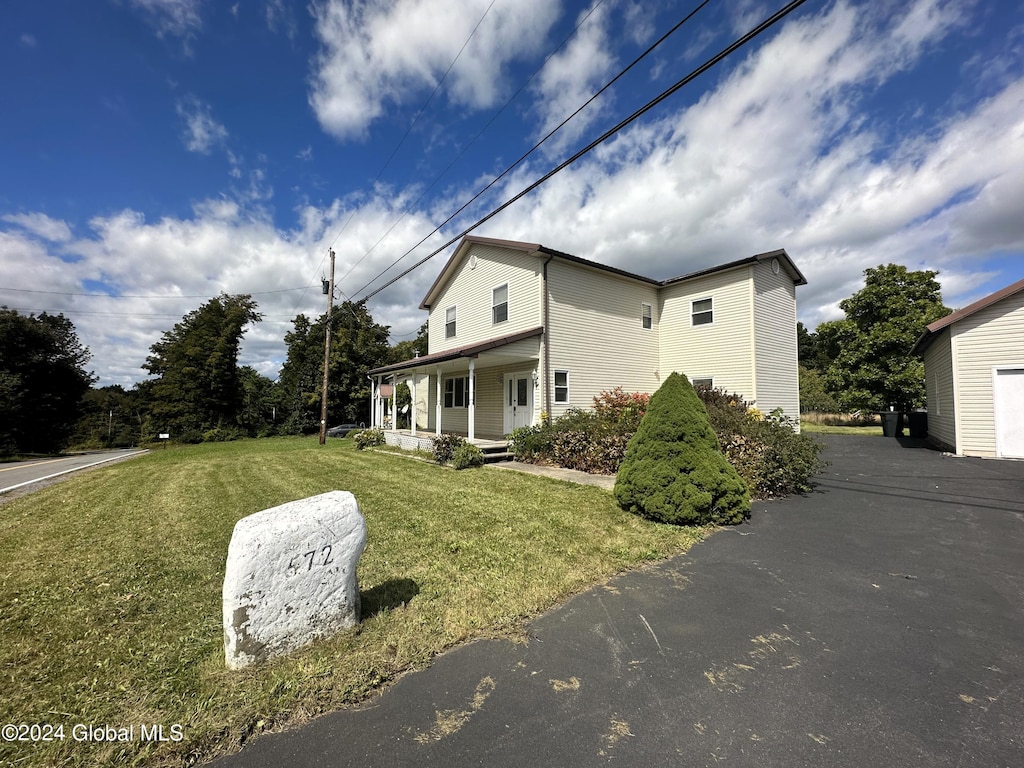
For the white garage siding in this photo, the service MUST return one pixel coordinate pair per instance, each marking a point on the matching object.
(991, 337)
(938, 366)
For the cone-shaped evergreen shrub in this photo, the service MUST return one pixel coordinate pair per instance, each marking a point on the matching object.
(673, 471)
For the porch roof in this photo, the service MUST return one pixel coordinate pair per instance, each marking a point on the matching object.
(473, 350)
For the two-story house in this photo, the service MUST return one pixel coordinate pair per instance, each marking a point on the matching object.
(517, 330)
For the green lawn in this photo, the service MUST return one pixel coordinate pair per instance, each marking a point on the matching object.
(826, 429)
(110, 587)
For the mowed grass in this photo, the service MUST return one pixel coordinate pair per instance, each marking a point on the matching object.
(827, 429)
(110, 587)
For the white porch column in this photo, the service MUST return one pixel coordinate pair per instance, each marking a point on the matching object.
(373, 403)
(437, 405)
(394, 402)
(472, 400)
(412, 405)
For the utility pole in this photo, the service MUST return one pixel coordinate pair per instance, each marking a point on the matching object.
(329, 290)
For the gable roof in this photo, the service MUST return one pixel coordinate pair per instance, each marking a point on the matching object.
(536, 249)
(932, 329)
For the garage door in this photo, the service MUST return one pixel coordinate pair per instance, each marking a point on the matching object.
(1008, 394)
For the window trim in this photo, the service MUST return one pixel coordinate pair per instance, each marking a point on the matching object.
(450, 394)
(453, 309)
(694, 382)
(695, 313)
(494, 306)
(557, 386)
(646, 319)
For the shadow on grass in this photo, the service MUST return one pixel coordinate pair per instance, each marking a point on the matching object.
(392, 593)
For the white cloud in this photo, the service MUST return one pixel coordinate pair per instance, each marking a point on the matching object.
(176, 17)
(202, 132)
(41, 225)
(375, 54)
(28, 40)
(572, 76)
(780, 154)
(783, 152)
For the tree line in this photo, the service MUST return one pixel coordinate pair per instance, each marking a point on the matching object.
(198, 392)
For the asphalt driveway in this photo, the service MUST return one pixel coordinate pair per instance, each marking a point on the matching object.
(878, 621)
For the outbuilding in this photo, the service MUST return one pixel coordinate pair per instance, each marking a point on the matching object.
(974, 369)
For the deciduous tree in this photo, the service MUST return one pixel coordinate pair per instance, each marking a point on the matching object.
(871, 366)
(199, 386)
(42, 381)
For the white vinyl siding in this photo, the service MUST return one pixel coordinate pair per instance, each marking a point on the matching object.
(472, 290)
(938, 366)
(594, 334)
(777, 382)
(992, 337)
(725, 348)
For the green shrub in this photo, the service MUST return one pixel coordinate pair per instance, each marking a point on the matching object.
(530, 444)
(766, 451)
(673, 471)
(368, 438)
(467, 455)
(445, 445)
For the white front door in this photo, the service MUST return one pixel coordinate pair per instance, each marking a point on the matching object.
(1008, 403)
(518, 401)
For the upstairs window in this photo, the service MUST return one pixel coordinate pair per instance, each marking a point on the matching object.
(703, 313)
(449, 323)
(499, 304)
(647, 316)
(456, 392)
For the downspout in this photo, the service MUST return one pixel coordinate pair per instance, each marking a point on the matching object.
(547, 342)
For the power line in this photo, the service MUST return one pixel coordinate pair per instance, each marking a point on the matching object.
(408, 130)
(735, 45)
(536, 146)
(471, 142)
(142, 296)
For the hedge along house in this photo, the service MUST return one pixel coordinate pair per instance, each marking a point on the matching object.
(974, 376)
(518, 330)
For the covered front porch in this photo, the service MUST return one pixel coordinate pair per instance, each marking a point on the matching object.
(482, 392)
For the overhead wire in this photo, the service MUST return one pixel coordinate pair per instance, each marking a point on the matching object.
(583, 19)
(728, 50)
(536, 146)
(380, 173)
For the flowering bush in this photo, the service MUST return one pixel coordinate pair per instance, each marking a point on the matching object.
(368, 438)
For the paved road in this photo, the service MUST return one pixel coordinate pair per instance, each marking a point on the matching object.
(24, 473)
(878, 621)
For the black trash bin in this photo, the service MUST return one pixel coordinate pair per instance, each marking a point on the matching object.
(919, 424)
(890, 423)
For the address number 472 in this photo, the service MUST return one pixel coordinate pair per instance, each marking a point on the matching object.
(307, 560)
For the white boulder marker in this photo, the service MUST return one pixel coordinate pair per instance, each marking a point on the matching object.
(291, 576)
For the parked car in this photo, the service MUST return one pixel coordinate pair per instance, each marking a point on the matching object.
(342, 430)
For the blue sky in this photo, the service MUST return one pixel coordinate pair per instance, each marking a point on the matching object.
(154, 153)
